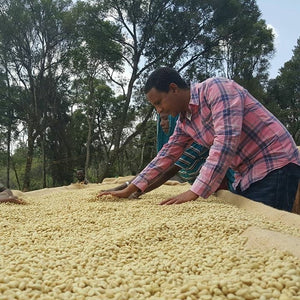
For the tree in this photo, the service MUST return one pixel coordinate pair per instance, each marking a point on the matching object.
(62, 55)
(95, 49)
(9, 115)
(108, 112)
(247, 46)
(35, 40)
(283, 95)
(6, 118)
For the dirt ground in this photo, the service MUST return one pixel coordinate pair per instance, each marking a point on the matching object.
(67, 244)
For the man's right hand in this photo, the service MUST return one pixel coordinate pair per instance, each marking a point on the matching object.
(120, 194)
(125, 193)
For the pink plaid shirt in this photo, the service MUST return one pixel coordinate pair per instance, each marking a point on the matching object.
(239, 131)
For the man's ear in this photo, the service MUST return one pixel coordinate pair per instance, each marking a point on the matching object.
(173, 87)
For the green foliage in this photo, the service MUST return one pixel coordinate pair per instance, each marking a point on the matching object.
(72, 72)
(284, 94)
(247, 46)
(18, 167)
(96, 48)
(33, 44)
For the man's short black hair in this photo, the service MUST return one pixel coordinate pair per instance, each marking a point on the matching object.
(161, 79)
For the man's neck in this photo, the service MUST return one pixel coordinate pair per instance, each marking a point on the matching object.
(186, 97)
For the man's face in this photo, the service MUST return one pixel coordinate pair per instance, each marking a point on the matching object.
(169, 103)
(164, 122)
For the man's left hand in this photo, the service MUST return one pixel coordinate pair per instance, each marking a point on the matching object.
(181, 198)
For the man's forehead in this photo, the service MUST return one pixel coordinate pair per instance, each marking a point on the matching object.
(154, 93)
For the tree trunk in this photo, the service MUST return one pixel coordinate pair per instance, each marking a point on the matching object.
(90, 120)
(104, 173)
(125, 110)
(8, 155)
(142, 157)
(88, 146)
(44, 161)
(26, 183)
(9, 128)
(16, 174)
(118, 151)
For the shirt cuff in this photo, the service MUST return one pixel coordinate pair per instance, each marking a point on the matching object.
(201, 189)
(140, 184)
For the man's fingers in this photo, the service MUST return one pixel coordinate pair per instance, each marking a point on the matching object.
(103, 193)
(17, 201)
(173, 201)
(180, 201)
(168, 201)
(163, 202)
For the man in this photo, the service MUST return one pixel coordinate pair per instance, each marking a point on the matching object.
(187, 166)
(239, 131)
(80, 174)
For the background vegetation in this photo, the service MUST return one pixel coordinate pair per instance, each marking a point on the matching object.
(71, 75)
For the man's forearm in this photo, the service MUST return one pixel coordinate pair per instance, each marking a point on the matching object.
(131, 188)
(119, 187)
(158, 181)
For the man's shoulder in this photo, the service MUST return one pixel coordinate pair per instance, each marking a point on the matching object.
(209, 81)
(207, 85)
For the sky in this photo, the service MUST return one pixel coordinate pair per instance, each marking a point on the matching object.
(284, 17)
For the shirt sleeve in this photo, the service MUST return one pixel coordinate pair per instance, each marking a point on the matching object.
(167, 156)
(225, 99)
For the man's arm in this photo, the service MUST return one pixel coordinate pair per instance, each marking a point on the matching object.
(226, 100)
(157, 182)
(124, 193)
(181, 198)
(163, 161)
(165, 158)
(119, 187)
(6, 196)
(173, 170)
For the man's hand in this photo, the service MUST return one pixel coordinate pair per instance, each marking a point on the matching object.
(181, 198)
(125, 193)
(7, 197)
(135, 195)
(121, 194)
